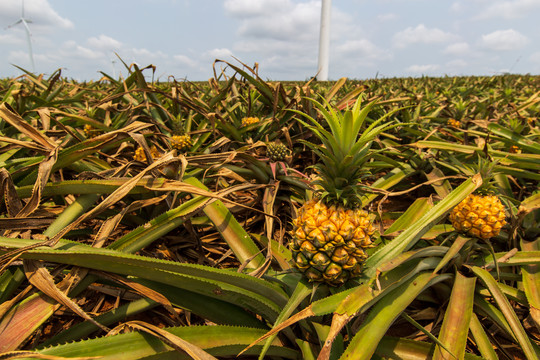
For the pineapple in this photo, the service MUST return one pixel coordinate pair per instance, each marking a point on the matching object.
(181, 142)
(249, 121)
(479, 216)
(139, 154)
(277, 151)
(90, 131)
(455, 123)
(331, 233)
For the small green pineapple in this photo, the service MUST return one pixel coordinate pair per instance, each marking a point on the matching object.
(277, 151)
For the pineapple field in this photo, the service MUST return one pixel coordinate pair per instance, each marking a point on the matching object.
(242, 218)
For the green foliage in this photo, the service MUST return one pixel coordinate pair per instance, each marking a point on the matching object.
(185, 252)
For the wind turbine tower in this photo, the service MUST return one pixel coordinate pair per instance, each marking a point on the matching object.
(324, 41)
(25, 23)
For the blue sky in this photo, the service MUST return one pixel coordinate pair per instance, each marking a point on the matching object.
(182, 38)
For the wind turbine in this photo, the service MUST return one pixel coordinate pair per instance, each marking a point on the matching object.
(25, 23)
(324, 41)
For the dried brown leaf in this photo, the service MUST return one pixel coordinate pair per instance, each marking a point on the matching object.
(44, 171)
(40, 277)
(11, 199)
(15, 120)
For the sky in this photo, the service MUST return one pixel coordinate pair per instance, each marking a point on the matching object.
(182, 38)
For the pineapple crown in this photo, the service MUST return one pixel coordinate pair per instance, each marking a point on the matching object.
(345, 148)
(176, 126)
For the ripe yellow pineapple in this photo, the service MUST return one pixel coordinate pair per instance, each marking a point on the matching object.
(329, 242)
(181, 143)
(453, 122)
(90, 131)
(249, 121)
(479, 216)
(139, 154)
(331, 233)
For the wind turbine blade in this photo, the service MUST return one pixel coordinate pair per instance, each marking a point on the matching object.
(15, 23)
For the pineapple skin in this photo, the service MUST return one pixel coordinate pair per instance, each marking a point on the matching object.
(479, 216)
(277, 151)
(329, 242)
(181, 142)
(455, 123)
(139, 154)
(249, 121)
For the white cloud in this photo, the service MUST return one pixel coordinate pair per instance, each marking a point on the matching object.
(423, 69)
(71, 49)
(104, 42)
(219, 53)
(421, 34)
(289, 22)
(459, 48)
(509, 9)
(252, 8)
(10, 39)
(185, 61)
(361, 51)
(40, 12)
(143, 54)
(504, 40)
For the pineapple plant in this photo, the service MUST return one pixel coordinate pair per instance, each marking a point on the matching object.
(331, 232)
(277, 151)
(481, 216)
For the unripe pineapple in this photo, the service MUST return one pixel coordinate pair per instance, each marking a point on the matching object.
(479, 216)
(330, 234)
(277, 151)
(181, 143)
(249, 121)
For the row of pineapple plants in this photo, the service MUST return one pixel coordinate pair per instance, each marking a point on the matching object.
(289, 183)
